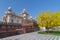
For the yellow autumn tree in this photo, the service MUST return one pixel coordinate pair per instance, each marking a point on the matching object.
(48, 20)
(56, 18)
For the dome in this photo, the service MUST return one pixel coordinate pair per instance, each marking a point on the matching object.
(24, 11)
(9, 8)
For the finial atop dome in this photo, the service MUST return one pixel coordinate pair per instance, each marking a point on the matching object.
(9, 8)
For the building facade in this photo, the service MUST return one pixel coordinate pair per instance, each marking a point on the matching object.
(17, 24)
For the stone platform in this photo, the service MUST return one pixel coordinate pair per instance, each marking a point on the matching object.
(32, 36)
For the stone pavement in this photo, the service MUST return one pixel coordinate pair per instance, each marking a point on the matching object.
(32, 36)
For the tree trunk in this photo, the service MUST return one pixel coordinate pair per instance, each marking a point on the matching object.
(47, 29)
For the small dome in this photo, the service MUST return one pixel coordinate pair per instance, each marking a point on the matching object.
(30, 16)
(9, 8)
(24, 11)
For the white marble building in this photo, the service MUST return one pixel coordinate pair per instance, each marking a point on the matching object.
(10, 17)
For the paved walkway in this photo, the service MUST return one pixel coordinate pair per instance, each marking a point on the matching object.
(32, 36)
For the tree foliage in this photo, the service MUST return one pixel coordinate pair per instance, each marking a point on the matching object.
(48, 20)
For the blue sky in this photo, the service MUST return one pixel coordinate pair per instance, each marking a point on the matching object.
(33, 7)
